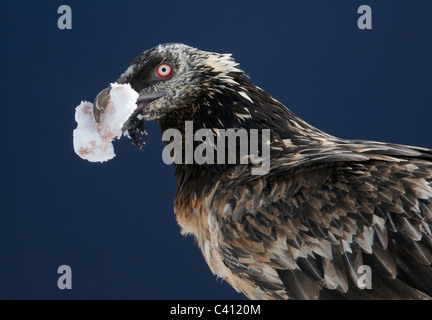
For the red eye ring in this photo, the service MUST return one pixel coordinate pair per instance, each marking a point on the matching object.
(163, 70)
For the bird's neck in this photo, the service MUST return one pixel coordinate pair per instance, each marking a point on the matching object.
(242, 106)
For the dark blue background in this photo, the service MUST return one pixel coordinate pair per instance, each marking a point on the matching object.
(113, 223)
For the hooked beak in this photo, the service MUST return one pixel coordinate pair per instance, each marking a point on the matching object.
(103, 98)
(100, 103)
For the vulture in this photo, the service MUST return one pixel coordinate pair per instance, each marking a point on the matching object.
(330, 219)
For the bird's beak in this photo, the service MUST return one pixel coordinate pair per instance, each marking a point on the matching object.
(103, 98)
(100, 103)
(144, 99)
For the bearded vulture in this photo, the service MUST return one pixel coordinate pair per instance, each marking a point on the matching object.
(326, 210)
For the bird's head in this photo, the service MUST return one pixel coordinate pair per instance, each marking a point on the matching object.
(170, 78)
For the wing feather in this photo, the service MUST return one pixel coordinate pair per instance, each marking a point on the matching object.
(306, 228)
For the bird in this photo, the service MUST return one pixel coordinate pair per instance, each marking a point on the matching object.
(327, 209)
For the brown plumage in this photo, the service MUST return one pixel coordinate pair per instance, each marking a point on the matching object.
(326, 207)
(303, 232)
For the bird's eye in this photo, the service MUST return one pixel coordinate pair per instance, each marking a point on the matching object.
(164, 70)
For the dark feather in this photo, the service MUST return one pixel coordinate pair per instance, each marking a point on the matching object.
(137, 133)
(298, 285)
